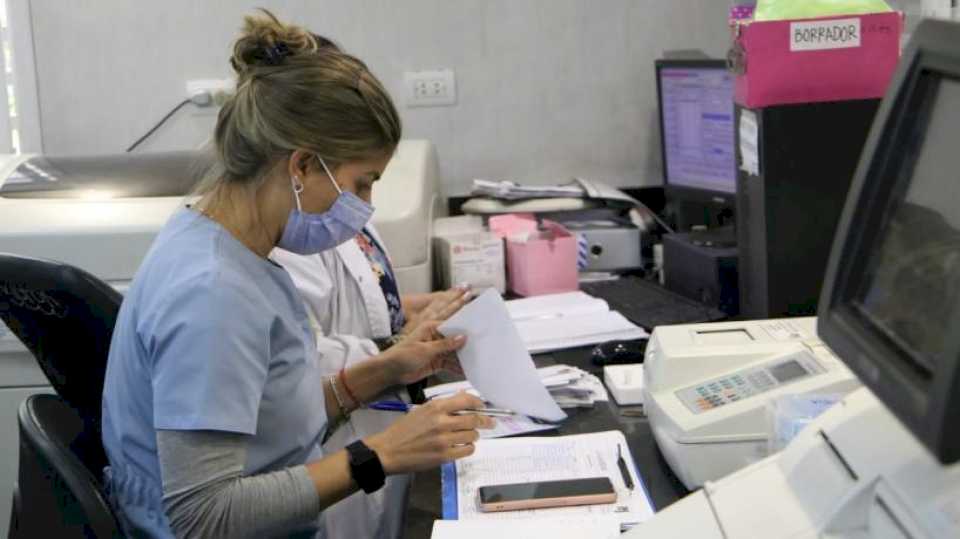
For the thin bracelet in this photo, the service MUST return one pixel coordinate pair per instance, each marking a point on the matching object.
(343, 382)
(336, 395)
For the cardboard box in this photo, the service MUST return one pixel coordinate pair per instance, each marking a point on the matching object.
(814, 60)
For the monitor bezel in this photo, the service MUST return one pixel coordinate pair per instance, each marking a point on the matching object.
(927, 408)
(699, 195)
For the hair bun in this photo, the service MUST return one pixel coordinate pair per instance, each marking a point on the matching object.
(266, 42)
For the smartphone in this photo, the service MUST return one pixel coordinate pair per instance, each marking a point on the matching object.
(564, 493)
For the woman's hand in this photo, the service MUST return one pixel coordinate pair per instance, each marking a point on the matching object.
(430, 435)
(421, 353)
(436, 306)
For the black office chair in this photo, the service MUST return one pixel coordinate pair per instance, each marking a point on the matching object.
(60, 494)
(65, 317)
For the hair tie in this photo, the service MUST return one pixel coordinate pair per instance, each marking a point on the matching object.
(276, 53)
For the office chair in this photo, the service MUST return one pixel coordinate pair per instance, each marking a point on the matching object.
(65, 317)
(60, 494)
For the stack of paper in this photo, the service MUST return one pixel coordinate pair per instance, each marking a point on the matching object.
(569, 386)
(590, 526)
(567, 320)
(507, 190)
(531, 459)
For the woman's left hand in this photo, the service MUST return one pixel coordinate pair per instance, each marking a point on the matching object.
(423, 352)
(437, 306)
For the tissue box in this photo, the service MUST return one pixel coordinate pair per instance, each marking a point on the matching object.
(542, 261)
(814, 60)
(473, 258)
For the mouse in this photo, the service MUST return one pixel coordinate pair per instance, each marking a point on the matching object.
(617, 352)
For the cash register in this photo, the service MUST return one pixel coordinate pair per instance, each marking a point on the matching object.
(707, 387)
(883, 461)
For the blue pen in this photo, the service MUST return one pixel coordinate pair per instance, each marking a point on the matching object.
(390, 406)
(400, 406)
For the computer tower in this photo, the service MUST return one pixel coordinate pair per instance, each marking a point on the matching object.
(799, 161)
(701, 272)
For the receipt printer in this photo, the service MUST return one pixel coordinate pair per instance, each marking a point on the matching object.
(707, 388)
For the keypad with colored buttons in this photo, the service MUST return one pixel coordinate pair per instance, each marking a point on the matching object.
(741, 385)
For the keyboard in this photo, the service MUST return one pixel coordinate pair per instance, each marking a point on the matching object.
(648, 305)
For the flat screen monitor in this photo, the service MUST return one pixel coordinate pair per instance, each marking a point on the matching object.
(695, 99)
(890, 307)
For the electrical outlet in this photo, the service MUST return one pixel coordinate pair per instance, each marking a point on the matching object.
(219, 89)
(430, 88)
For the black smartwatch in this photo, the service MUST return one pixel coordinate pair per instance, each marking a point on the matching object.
(365, 467)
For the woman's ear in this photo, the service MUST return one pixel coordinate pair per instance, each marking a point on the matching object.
(298, 164)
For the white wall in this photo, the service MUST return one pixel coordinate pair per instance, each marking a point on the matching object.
(547, 89)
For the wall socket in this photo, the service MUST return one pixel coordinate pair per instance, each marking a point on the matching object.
(219, 89)
(435, 88)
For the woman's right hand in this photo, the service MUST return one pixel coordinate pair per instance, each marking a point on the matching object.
(430, 435)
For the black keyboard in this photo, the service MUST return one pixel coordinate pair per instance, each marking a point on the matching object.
(649, 305)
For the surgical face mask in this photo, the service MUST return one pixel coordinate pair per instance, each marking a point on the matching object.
(311, 233)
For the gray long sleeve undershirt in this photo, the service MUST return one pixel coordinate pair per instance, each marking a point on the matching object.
(206, 495)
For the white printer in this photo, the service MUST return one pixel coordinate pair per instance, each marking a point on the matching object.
(707, 387)
(101, 213)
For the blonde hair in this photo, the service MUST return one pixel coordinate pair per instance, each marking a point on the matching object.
(296, 90)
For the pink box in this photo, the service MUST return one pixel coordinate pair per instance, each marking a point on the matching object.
(544, 264)
(814, 60)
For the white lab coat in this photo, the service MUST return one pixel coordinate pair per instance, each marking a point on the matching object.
(348, 309)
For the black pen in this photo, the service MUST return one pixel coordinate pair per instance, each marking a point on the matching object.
(627, 480)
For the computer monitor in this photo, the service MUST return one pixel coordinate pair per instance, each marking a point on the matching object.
(695, 99)
(890, 306)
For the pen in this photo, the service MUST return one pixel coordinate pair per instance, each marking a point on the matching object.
(627, 480)
(400, 406)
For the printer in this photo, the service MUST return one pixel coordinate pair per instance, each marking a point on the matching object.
(101, 213)
(707, 387)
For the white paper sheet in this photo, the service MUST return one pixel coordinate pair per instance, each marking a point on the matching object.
(556, 305)
(515, 425)
(592, 527)
(543, 335)
(496, 361)
(527, 459)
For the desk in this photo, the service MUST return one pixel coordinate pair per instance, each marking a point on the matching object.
(662, 486)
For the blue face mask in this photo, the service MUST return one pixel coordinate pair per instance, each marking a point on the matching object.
(311, 233)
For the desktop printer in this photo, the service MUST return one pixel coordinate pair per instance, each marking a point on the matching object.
(707, 386)
(612, 226)
(101, 213)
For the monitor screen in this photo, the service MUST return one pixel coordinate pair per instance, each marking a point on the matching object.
(890, 307)
(696, 107)
(911, 284)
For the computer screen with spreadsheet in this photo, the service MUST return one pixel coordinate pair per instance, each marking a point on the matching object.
(696, 120)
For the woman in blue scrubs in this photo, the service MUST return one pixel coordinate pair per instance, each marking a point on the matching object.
(214, 407)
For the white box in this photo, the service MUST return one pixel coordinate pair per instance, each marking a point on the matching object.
(625, 383)
(475, 258)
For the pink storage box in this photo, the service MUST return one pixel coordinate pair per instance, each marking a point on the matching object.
(815, 60)
(544, 264)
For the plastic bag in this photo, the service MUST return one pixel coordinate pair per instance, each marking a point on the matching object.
(789, 414)
(776, 10)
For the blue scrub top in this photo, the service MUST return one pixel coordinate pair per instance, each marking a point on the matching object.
(210, 336)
